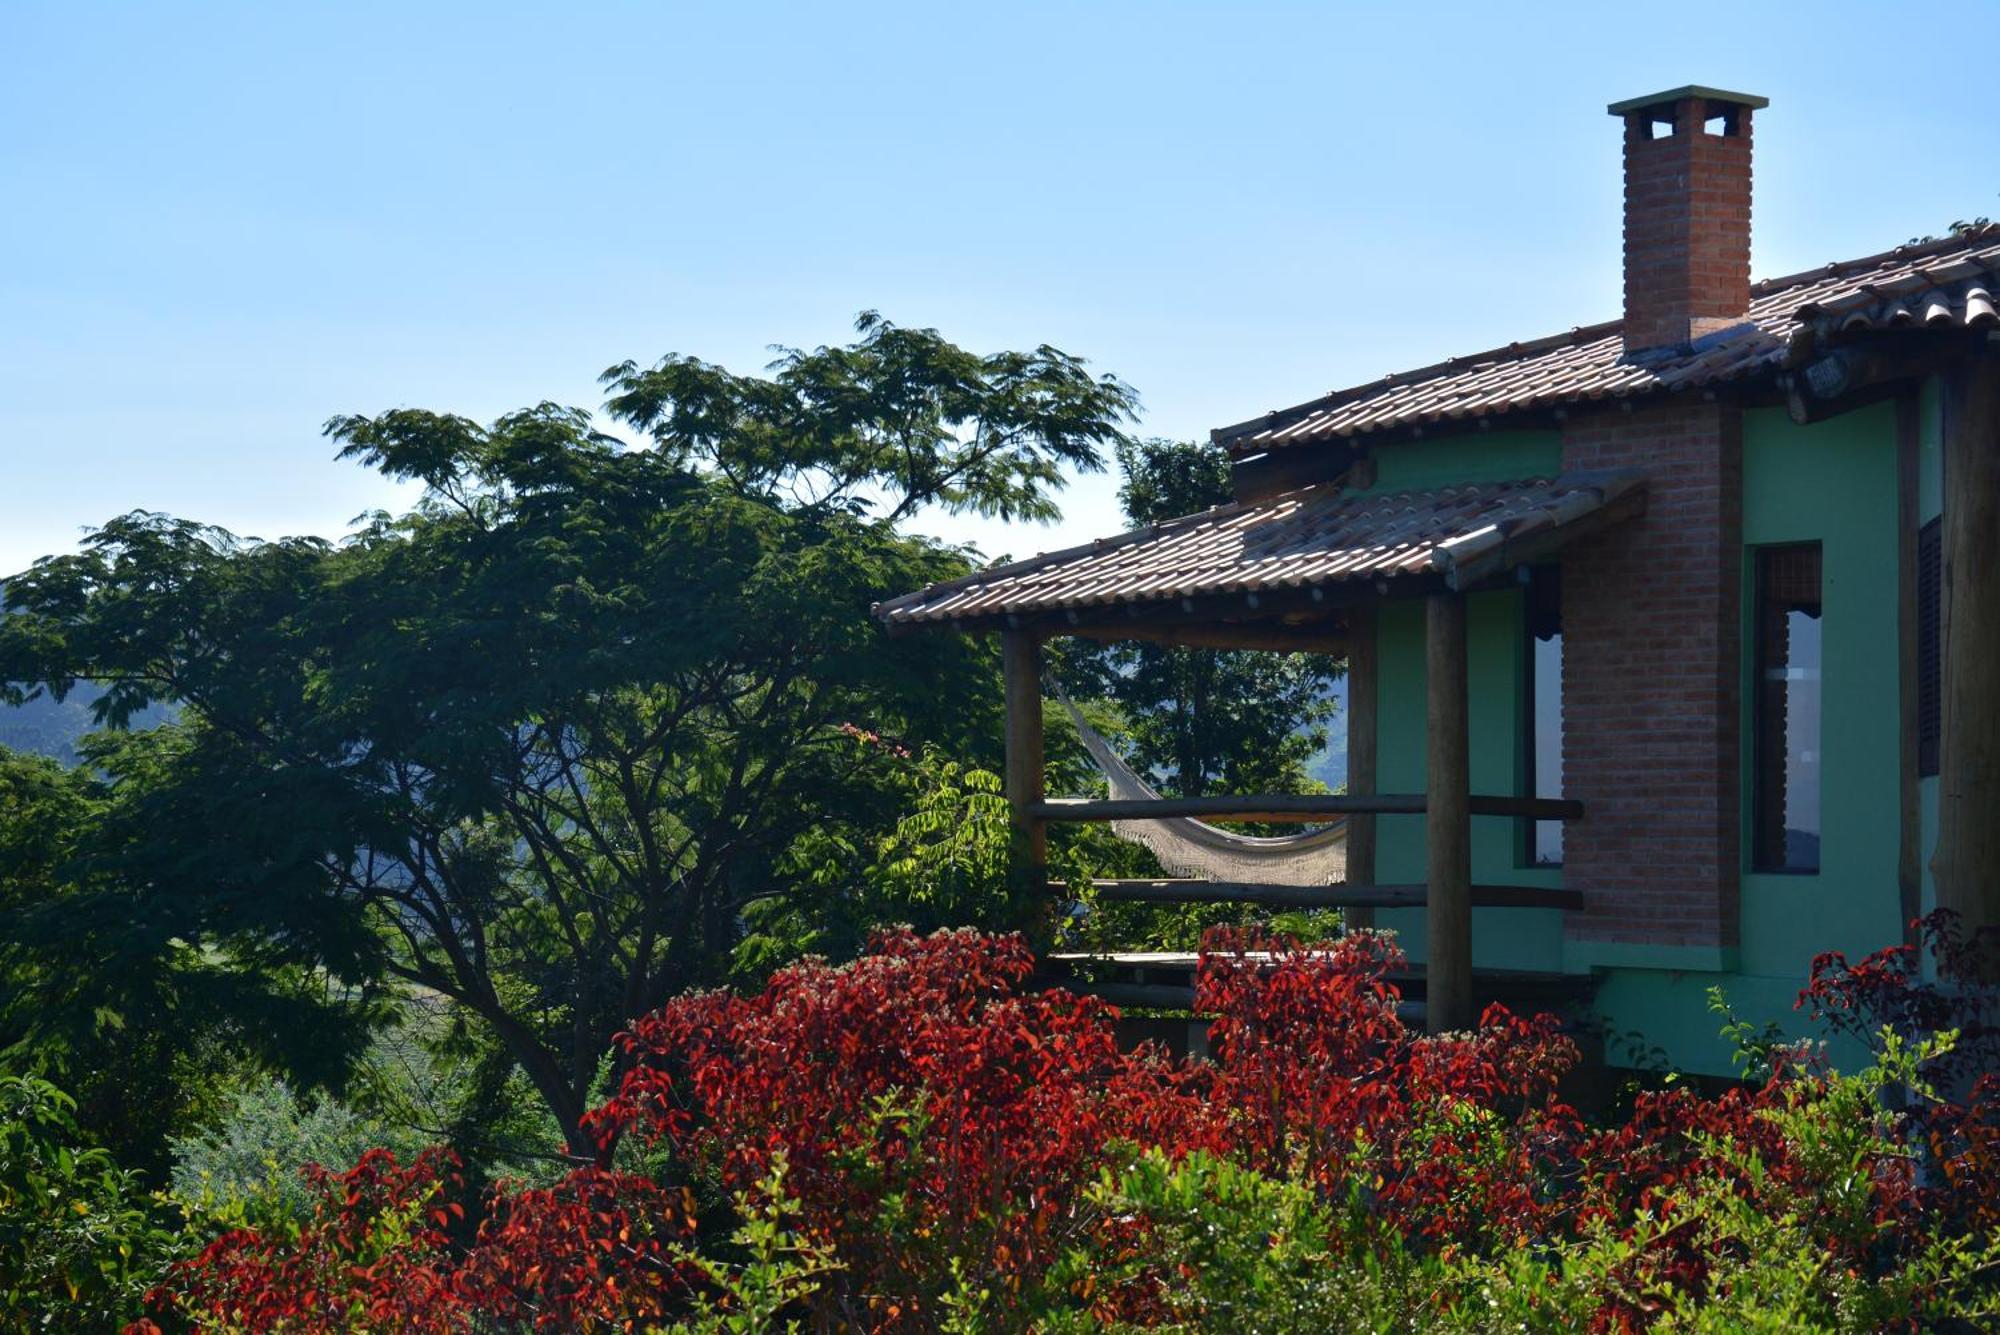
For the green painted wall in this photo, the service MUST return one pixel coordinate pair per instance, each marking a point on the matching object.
(1483, 456)
(1495, 652)
(1502, 938)
(1835, 483)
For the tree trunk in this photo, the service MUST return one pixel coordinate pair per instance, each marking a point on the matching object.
(544, 1071)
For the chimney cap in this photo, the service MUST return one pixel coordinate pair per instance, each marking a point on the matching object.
(1673, 95)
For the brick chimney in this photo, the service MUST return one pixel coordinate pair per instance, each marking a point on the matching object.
(1687, 214)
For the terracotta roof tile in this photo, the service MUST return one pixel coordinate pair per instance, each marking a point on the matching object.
(1955, 282)
(1318, 535)
(1321, 535)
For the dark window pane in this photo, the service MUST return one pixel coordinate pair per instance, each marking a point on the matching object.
(1787, 704)
(1544, 838)
(1548, 668)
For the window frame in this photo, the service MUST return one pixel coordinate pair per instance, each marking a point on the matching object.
(1757, 857)
(1534, 581)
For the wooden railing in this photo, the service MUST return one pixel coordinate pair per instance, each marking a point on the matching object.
(1342, 895)
(1448, 903)
(1290, 808)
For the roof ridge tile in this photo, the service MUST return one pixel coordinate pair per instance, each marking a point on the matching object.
(1588, 362)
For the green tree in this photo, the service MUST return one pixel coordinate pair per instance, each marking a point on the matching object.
(98, 992)
(80, 1240)
(539, 743)
(1204, 720)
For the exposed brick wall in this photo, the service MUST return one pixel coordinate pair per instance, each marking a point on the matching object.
(1687, 227)
(1651, 644)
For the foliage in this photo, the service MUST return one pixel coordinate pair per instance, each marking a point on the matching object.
(56, 729)
(1204, 720)
(1959, 227)
(913, 1142)
(780, 1273)
(370, 1255)
(1889, 990)
(923, 1109)
(264, 1139)
(1222, 1247)
(537, 744)
(144, 1036)
(946, 862)
(79, 1238)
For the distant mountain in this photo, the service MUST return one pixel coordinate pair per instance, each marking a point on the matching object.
(1330, 766)
(50, 729)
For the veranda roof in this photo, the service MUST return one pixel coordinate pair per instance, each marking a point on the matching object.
(1318, 537)
(1314, 537)
(1953, 283)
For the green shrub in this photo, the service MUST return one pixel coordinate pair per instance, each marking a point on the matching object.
(80, 1240)
(265, 1136)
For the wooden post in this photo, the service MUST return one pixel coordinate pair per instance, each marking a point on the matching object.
(1362, 661)
(1448, 821)
(1021, 667)
(1910, 836)
(1966, 864)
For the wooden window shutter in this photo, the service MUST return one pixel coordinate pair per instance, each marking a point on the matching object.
(1930, 628)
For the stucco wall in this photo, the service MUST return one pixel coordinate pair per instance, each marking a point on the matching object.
(1834, 482)
(1501, 938)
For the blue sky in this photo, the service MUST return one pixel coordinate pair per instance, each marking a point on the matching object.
(221, 225)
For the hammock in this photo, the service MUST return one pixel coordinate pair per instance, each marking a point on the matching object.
(1188, 847)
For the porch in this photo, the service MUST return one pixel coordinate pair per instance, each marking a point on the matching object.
(1307, 570)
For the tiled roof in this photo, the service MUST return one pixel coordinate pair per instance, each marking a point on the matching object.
(1317, 535)
(1954, 282)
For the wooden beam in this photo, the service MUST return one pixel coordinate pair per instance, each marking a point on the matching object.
(1345, 895)
(1269, 637)
(1910, 836)
(1293, 809)
(1863, 372)
(1273, 606)
(1020, 657)
(1177, 996)
(1529, 808)
(1544, 543)
(1143, 996)
(1448, 823)
(1966, 864)
(1275, 472)
(1362, 660)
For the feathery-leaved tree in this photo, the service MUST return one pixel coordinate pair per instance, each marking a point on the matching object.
(536, 744)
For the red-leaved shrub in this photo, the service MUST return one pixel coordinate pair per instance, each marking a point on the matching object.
(936, 1129)
(372, 1255)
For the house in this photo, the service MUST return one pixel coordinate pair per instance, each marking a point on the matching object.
(1672, 640)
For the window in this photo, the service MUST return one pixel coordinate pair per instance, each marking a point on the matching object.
(1543, 839)
(1786, 704)
(1930, 583)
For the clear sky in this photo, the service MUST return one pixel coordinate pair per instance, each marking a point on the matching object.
(221, 225)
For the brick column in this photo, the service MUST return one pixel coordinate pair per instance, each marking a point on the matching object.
(1651, 671)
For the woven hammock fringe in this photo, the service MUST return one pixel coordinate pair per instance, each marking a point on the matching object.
(1192, 848)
